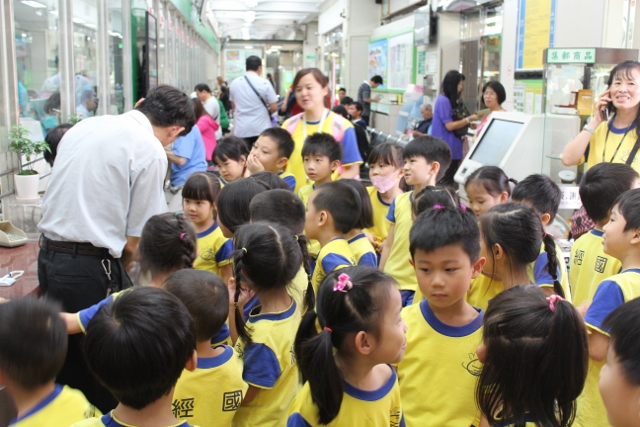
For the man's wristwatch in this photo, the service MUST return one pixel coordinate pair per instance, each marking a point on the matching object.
(588, 129)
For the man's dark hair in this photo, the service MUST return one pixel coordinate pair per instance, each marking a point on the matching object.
(347, 100)
(253, 63)
(342, 90)
(377, 79)
(202, 86)
(53, 138)
(167, 106)
(138, 345)
(341, 110)
(358, 105)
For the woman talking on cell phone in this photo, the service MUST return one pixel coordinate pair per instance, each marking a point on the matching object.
(612, 134)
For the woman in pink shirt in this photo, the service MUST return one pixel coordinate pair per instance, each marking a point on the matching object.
(208, 127)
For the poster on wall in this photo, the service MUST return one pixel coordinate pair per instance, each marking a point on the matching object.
(235, 62)
(536, 32)
(378, 59)
(400, 61)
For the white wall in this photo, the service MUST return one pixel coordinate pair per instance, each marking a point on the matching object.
(509, 46)
(363, 17)
(580, 26)
(330, 16)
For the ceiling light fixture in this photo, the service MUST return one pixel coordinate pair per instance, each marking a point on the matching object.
(251, 3)
(249, 17)
(245, 34)
(34, 4)
(248, 47)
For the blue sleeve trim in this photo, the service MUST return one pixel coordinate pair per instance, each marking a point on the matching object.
(221, 336)
(350, 153)
(296, 420)
(541, 275)
(87, 314)
(391, 215)
(224, 253)
(608, 297)
(261, 366)
(331, 261)
(369, 259)
(291, 181)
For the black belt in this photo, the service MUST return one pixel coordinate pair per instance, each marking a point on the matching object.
(73, 248)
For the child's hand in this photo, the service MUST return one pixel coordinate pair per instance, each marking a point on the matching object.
(245, 294)
(253, 164)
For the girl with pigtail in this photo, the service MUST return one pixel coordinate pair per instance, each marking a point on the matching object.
(535, 356)
(266, 259)
(358, 311)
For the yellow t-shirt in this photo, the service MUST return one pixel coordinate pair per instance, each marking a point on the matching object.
(110, 420)
(269, 364)
(610, 294)
(214, 250)
(62, 407)
(363, 251)
(540, 276)
(482, 290)
(380, 228)
(333, 256)
(349, 141)
(589, 266)
(440, 369)
(599, 140)
(212, 393)
(359, 408)
(397, 265)
(314, 246)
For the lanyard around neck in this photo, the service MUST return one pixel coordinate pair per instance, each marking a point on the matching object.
(615, 153)
(320, 126)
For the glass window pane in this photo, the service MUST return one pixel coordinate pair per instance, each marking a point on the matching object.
(116, 64)
(162, 49)
(36, 41)
(85, 24)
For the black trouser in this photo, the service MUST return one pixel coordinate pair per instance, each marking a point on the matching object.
(250, 141)
(77, 282)
(366, 119)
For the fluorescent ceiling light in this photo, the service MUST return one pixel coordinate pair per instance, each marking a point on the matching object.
(276, 47)
(33, 3)
(248, 47)
(245, 34)
(53, 12)
(249, 16)
(251, 3)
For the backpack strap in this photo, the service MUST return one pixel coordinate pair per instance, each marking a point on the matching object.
(292, 123)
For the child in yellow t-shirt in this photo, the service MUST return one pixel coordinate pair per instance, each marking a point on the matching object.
(362, 249)
(358, 312)
(621, 242)
(199, 204)
(230, 156)
(426, 159)
(34, 343)
(486, 187)
(271, 152)
(444, 330)
(534, 357)
(211, 394)
(599, 189)
(332, 211)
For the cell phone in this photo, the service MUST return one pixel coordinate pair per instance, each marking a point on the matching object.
(605, 112)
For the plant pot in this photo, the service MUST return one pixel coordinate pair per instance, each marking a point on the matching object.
(26, 186)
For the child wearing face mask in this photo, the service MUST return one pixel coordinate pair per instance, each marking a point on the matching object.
(385, 172)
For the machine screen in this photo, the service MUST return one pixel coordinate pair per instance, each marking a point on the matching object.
(495, 142)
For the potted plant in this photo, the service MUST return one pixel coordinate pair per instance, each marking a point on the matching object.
(27, 180)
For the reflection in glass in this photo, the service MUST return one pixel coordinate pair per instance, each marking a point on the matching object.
(116, 66)
(85, 24)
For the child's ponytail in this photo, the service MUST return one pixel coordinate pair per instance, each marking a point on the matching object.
(309, 295)
(552, 263)
(188, 244)
(241, 326)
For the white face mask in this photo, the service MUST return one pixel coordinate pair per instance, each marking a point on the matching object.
(384, 183)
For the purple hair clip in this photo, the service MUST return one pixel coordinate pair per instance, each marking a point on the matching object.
(463, 207)
(343, 284)
(438, 207)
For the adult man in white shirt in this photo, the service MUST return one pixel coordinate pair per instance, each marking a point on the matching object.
(253, 100)
(210, 104)
(106, 183)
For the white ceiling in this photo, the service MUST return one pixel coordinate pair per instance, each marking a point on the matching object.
(273, 18)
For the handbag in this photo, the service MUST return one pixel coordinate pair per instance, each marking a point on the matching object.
(259, 97)
(460, 112)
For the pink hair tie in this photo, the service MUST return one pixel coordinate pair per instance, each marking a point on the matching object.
(463, 207)
(553, 300)
(343, 284)
(438, 207)
(182, 236)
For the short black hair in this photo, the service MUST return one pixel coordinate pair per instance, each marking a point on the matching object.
(202, 86)
(138, 345)
(341, 201)
(387, 153)
(232, 148)
(53, 138)
(234, 199)
(432, 149)
(366, 213)
(347, 100)
(377, 79)
(167, 106)
(436, 228)
(623, 325)
(629, 207)
(492, 179)
(322, 144)
(253, 63)
(541, 192)
(201, 186)
(358, 105)
(272, 180)
(282, 138)
(206, 297)
(602, 185)
(34, 341)
(341, 89)
(431, 196)
(497, 87)
(279, 206)
(341, 110)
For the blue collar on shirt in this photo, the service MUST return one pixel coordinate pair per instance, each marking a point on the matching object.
(208, 231)
(371, 395)
(358, 237)
(274, 316)
(318, 122)
(631, 270)
(596, 232)
(109, 420)
(43, 403)
(215, 361)
(448, 330)
(380, 199)
(619, 131)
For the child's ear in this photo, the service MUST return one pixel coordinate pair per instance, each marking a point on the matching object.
(635, 238)
(192, 363)
(243, 160)
(434, 168)
(413, 264)
(335, 165)
(282, 163)
(363, 343)
(498, 252)
(323, 218)
(545, 218)
(477, 267)
(504, 197)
